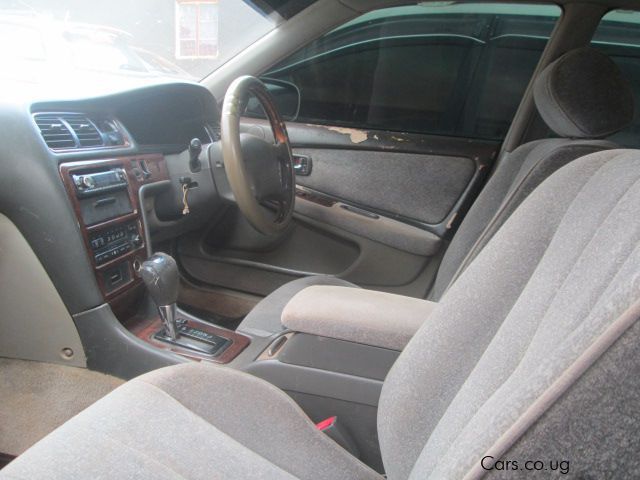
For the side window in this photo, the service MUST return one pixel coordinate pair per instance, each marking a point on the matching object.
(438, 69)
(618, 35)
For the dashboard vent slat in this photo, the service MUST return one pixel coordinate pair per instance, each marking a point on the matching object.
(54, 132)
(85, 130)
(68, 131)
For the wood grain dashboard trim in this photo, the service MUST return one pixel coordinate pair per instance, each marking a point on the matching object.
(155, 170)
(146, 327)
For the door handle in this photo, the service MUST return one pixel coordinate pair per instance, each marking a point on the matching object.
(302, 165)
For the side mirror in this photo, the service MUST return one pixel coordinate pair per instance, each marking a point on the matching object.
(286, 96)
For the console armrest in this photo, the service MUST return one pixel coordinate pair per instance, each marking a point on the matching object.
(356, 315)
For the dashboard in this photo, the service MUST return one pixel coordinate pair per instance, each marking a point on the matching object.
(164, 117)
(172, 122)
(91, 181)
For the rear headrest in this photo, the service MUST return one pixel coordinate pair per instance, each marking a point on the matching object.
(583, 94)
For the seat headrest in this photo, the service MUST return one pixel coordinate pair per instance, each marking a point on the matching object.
(583, 94)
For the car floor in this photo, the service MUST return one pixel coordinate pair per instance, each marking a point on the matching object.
(36, 398)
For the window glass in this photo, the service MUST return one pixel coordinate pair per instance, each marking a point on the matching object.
(20, 42)
(124, 43)
(618, 35)
(430, 68)
(197, 29)
(101, 51)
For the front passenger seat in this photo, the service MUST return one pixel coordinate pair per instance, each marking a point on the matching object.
(533, 354)
(582, 97)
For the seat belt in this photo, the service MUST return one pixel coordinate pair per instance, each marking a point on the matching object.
(339, 434)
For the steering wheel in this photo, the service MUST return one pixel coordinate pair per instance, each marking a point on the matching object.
(260, 173)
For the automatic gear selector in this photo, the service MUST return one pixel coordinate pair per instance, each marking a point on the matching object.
(160, 275)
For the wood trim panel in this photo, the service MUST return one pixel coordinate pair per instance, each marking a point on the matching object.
(156, 171)
(146, 328)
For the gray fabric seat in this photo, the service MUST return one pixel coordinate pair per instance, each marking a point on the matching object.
(562, 270)
(189, 421)
(582, 96)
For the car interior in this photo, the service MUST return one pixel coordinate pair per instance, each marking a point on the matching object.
(383, 239)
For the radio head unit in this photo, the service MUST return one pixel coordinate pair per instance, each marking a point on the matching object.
(89, 184)
(102, 195)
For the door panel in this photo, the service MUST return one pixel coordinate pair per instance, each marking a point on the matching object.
(421, 180)
(376, 209)
(371, 179)
(357, 220)
(303, 250)
(308, 248)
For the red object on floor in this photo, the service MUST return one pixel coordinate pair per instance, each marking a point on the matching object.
(324, 424)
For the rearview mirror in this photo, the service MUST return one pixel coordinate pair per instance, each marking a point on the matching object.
(286, 96)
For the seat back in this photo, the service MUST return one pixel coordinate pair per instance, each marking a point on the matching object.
(582, 97)
(560, 271)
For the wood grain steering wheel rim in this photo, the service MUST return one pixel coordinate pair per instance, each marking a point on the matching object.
(282, 196)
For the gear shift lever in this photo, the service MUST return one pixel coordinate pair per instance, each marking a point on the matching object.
(160, 275)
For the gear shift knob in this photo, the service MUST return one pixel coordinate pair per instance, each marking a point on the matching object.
(160, 275)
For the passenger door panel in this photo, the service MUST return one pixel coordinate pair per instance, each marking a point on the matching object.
(380, 180)
(376, 209)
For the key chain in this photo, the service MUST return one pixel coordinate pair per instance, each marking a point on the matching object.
(185, 192)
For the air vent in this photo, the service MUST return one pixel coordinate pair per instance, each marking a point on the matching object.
(55, 132)
(68, 131)
(87, 133)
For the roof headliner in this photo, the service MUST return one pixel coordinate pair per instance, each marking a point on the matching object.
(365, 5)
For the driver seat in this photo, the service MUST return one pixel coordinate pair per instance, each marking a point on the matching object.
(582, 96)
(532, 354)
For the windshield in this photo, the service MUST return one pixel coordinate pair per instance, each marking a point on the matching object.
(67, 41)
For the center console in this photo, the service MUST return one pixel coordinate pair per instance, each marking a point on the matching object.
(105, 195)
